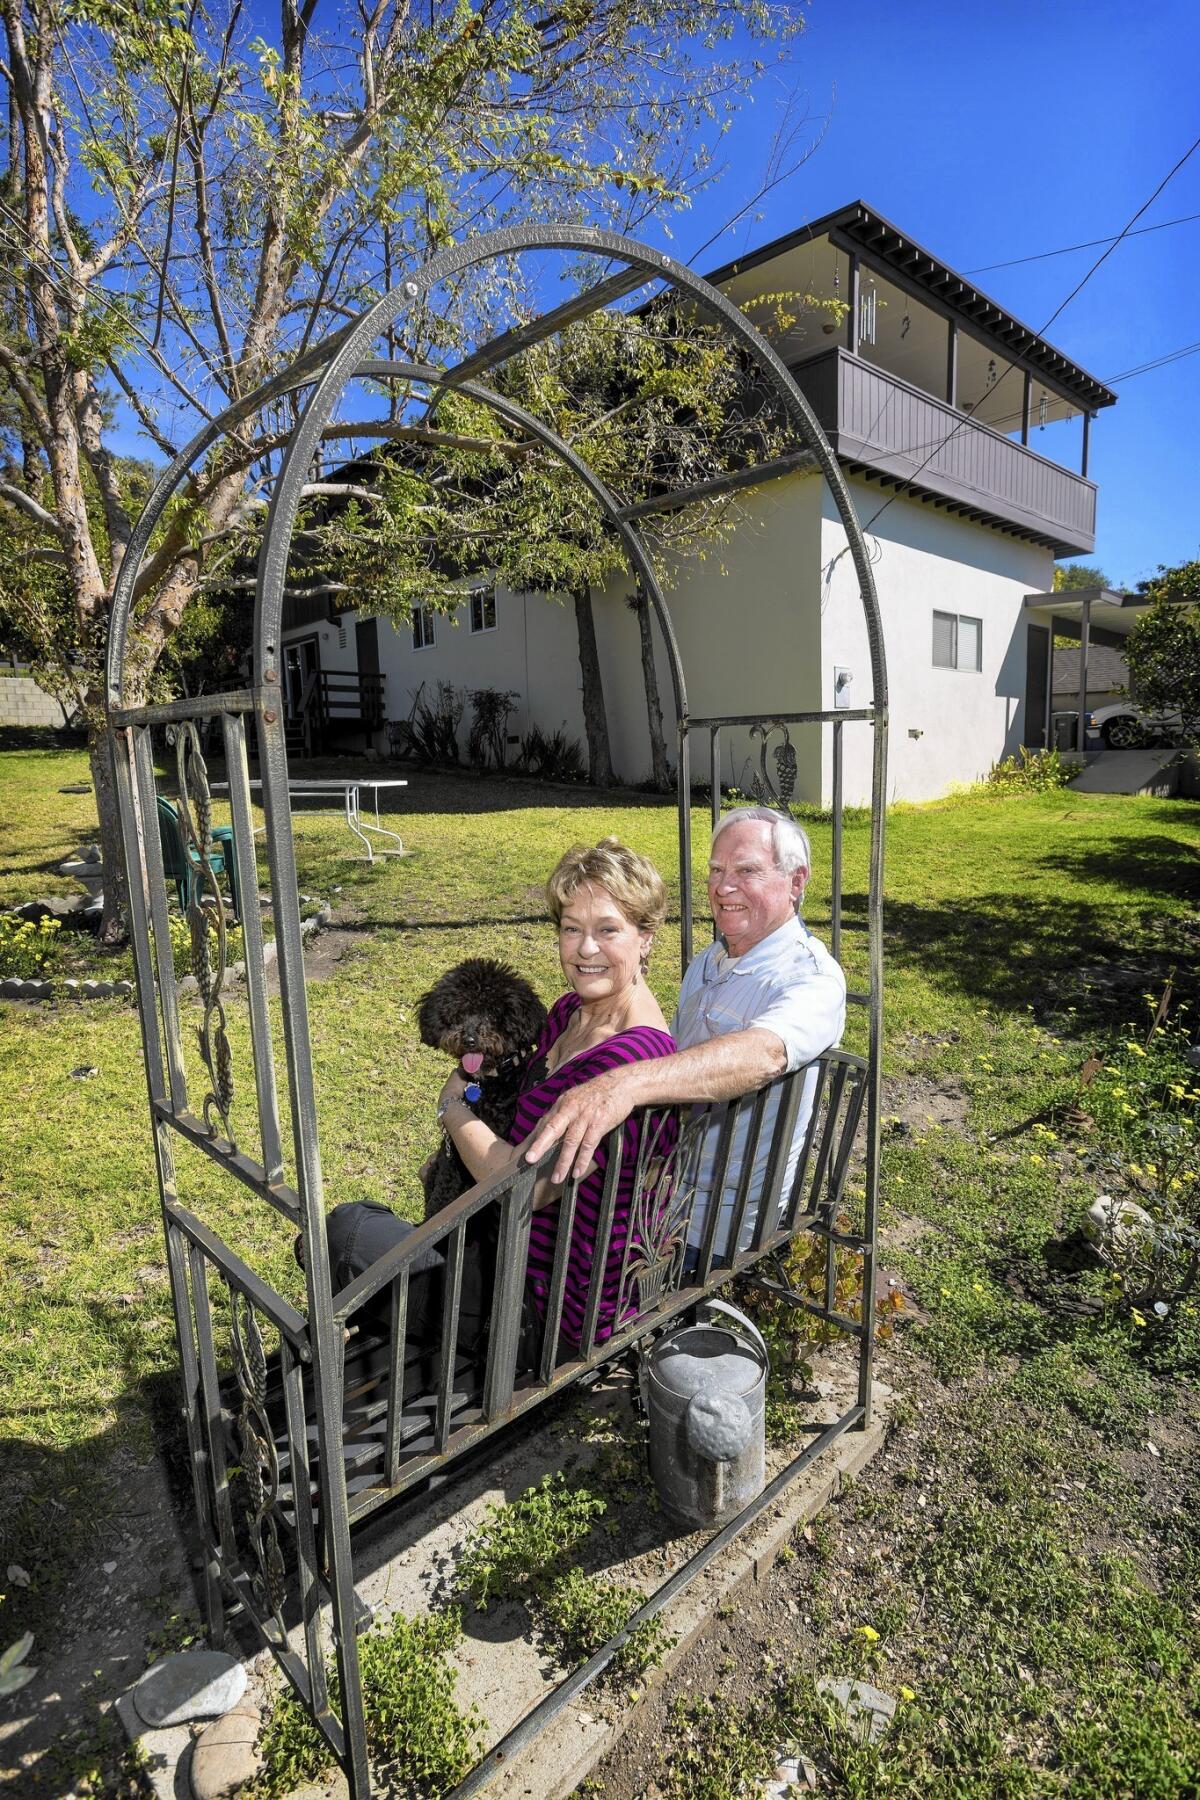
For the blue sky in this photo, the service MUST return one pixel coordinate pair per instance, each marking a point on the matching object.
(999, 132)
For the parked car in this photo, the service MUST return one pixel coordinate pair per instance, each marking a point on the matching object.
(1123, 726)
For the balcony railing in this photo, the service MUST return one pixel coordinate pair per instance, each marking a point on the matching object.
(890, 428)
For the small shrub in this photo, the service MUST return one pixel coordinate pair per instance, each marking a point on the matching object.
(1030, 772)
(553, 755)
(434, 725)
(578, 1613)
(487, 739)
(518, 1545)
(27, 949)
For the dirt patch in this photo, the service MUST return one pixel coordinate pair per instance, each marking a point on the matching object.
(914, 1102)
(776, 1629)
(134, 1583)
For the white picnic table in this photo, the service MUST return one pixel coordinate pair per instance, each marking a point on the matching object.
(350, 787)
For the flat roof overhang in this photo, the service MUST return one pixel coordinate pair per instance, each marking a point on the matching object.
(858, 228)
(1112, 615)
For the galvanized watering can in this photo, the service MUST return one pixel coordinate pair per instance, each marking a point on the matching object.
(705, 1390)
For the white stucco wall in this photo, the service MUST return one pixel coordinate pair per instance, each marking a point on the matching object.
(762, 626)
(926, 560)
(530, 653)
(748, 630)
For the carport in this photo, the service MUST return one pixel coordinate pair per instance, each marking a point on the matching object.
(1094, 617)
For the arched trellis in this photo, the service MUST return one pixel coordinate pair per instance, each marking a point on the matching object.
(309, 1377)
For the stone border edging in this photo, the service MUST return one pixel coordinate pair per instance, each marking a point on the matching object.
(63, 988)
(14, 987)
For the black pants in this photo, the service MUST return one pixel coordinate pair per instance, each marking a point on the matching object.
(361, 1231)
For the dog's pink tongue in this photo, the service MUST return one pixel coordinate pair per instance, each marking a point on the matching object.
(472, 1062)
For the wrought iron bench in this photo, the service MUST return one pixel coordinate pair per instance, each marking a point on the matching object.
(409, 1412)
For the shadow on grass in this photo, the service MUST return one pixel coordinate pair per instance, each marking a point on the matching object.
(1155, 866)
(1024, 951)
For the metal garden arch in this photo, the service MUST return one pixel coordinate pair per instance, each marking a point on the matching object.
(296, 1498)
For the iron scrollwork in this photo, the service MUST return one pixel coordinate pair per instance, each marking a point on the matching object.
(260, 1460)
(663, 1197)
(778, 790)
(206, 923)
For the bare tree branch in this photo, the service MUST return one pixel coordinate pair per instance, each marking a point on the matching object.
(25, 503)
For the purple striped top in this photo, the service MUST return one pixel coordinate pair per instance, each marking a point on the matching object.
(635, 1045)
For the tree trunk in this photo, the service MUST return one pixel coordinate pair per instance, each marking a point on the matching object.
(595, 722)
(114, 922)
(660, 768)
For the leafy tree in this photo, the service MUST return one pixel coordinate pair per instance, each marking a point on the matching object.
(185, 206)
(1072, 576)
(1163, 649)
(654, 400)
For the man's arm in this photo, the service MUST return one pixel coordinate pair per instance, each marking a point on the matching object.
(721, 1069)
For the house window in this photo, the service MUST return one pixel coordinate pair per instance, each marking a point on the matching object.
(422, 623)
(957, 642)
(483, 609)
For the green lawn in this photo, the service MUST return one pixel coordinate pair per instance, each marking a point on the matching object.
(1023, 934)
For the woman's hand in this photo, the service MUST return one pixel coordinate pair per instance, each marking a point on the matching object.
(455, 1089)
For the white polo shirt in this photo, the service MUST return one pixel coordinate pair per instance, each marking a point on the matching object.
(788, 984)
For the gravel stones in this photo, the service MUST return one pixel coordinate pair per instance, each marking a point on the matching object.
(195, 1684)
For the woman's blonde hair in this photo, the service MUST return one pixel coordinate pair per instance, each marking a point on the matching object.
(632, 880)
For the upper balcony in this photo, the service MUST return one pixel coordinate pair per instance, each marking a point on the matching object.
(920, 378)
(886, 427)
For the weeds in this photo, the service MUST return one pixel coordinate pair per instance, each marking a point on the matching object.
(518, 1553)
(579, 1613)
(520, 1544)
(419, 1740)
(1029, 772)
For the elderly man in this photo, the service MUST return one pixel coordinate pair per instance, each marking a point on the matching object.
(766, 998)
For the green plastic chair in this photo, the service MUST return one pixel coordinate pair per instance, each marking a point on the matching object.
(181, 864)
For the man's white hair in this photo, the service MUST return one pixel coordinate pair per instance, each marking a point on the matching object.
(789, 841)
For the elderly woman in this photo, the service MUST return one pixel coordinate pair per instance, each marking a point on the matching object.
(607, 903)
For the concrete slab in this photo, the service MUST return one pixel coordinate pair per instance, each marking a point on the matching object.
(1152, 772)
(405, 1563)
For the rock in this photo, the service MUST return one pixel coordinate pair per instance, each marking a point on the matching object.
(91, 854)
(110, 1568)
(869, 1711)
(195, 1684)
(17, 1575)
(225, 1756)
(84, 1072)
(1118, 1221)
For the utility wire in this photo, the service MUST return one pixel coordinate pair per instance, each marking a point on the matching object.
(1057, 313)
(1091, 244)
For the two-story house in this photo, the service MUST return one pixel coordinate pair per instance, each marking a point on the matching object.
(965, 436)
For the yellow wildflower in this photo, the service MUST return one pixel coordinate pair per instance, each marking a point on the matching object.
(868, 1632)
(906, 1693)
(1136, 1316)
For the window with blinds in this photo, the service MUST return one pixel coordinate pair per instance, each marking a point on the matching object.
(957, 642)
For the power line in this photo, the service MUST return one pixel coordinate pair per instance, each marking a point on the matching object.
(1171, 356)
(1057, 313)
(1091, 244)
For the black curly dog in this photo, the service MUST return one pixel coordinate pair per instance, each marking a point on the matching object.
(487, 1017)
